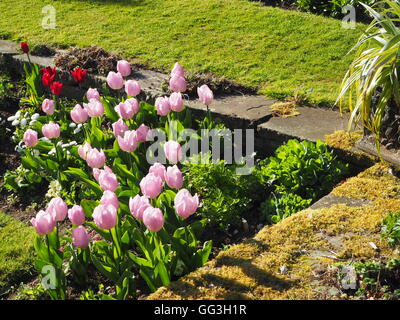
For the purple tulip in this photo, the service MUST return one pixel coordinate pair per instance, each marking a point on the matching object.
(151, 185)
(129, 142)
(110, 197)
(48, 106)
(80, 237)
(43, 223)
(115, 80)
(177, 83)
(176, 102)
(105, 216)
(57, 208)
(153, 219)
(173, 151)
(185, 204)
(96, 158)
(119, 128)
(206, 96)
(138, 205)
(108, 181)
(173, 177)
(124, 68)
(92, 94)
(30, 138)
(79, 114)
(51, 130)
(76, 215)
(132, 88)
(162, 106)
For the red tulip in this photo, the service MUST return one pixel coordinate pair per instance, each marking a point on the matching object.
(79, 75)
(49, 75)
(56, 88)
(25, 47)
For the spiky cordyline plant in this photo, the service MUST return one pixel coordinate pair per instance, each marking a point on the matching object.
(374, 70)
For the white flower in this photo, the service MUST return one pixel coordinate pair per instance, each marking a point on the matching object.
(12, 118)
(23, 122)
(32, 122)
(35, 116)
(72, 125)
(15, 123)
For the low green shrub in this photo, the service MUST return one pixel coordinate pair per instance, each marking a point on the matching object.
(391, 228)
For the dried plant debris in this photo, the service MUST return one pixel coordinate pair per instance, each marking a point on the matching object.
(284, 109)
(43, 50)
(94, 59)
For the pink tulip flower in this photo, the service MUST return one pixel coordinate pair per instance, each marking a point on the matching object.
(176, 102)
(51, 130)
(142, 132)
(158, 170)
(83, 150)
(105, 216)
(43, 223)
(30, 138)
(96, 158)
(162, 106)
(110, 197)
(173, 177)
(173, 151)
(119, 128)
(108, 181)
(177, 83)
(132, 88)
(96, 172)
(185, 204)
(178, 70)
(80, 237)
(153, 219)
(115, 80)
(151, 185)
(57, 208)
(92, 94)
(129, 142)
(79, 114)
(48, 106)
(138, 205)
(205, 94)
(124, 68)
(94, 108)
(76, 215)
(127, 109)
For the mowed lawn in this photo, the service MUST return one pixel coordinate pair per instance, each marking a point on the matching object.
(256, 45)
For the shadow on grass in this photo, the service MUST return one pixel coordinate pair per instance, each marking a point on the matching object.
(131, 3)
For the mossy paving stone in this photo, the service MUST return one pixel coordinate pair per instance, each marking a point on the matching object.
(307, 244)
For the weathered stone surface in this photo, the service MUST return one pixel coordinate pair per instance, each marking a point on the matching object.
(331, 200)
(392, 156)
(7, 47)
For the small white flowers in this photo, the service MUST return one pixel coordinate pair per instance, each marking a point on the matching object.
(78, 128)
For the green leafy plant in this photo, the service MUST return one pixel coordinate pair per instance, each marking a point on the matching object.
(391, 228)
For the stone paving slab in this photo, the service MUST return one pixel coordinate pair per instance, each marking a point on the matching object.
(7, 47)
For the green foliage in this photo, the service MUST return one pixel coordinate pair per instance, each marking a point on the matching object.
(391, 228)
(283, 205)
(224, 194)
(300, 173)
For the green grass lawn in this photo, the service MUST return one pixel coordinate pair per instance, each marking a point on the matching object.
(16, 251)
(241, 40)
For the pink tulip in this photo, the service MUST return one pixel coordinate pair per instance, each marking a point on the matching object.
(51, 130)
(185, 204)
(128, 109)
(108, 181)
(176, 102)
(96, 172)
(80, 237)
(110, 197)
(48, 106)
(83, 150)
(79, 114)
(173, 177)
(96, 158)
(158, 170)
(178, 70)
(92, 94)
(151, 185)
(132, 88)
(94, 108)
(57, 208)
(177, 83)
(138, 205)
(162, 106)
(115, 80)
(129, 142)
(142, 132)
(153, 219)
(206, 96)
(76, 215)
(30, 138)
(119, 128)
(173, 151)
(124, 68)
(43, 222)
(105, 216)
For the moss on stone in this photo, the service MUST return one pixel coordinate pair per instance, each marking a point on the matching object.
(304, 243)
(342, 139)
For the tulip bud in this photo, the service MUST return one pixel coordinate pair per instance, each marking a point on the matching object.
(43, 223)
(177, 83)
(173, 151)
(185, 204)
(138, 205)
(158, 170)
(173, 177)
(206, 96)
(132, 88)
(178, 70)
(115, 80)
(119, 128)
(76, 215)
(153, 219)
(124, 68)
(95, 158)
(162, 106)
(105, 216)
(57, 208)
(80, 238)
(48, 106)
(79, 114)
(30, 138)
(108, 181)
(151, 185)
(51, 130)
(110, 197)
(176, 102)
(92, 94)
(83, 150)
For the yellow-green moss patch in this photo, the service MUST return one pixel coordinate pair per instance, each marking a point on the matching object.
(342, 139)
